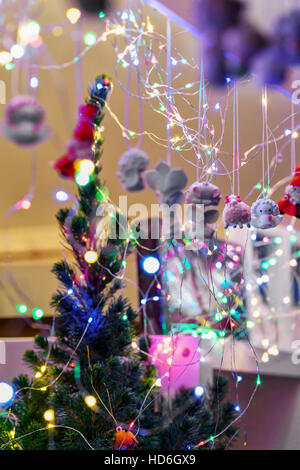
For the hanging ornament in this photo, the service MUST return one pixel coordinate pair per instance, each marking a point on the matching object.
(24, 122)
(290, 203)
(265, 214)
(124, 440)
(242, 42)
(287, 36)
(217, 15)
(206, 194)
(167, 182)
(131, 166)
(236, 212)
(269, 66)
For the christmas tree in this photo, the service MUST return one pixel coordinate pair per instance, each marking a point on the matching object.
(93, 386)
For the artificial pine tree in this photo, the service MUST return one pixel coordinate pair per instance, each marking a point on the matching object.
(91, 389)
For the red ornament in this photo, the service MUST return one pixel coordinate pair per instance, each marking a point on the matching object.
(88, 111)
(65, 166)
(84, 131)
(290, 203)
(124, 440)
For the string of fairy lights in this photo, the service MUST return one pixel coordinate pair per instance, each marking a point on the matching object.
(197, 141)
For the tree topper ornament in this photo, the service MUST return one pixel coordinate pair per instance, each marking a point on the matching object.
(290, 203)
(265, 214)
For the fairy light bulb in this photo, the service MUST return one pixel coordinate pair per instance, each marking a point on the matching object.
(73, 15)
(90, 401)
(265, 342)
(86, 166)
(17, 51)
(158, 382)
(265, 357)
(90, 39)
(49, 415)
(91, 256)
(22, 309)
(273, 350)
(82, 179)
(37, 313)
(5, 58)
(29, 32)
(7, 394)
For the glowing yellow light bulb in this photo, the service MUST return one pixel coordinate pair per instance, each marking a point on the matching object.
(43, 368)
(265, 357)
(38, 375)
(273, 350)
(49, 415)
(265, 342)
(5, 58)
(73, 15)
(295, 135)
(91, 256)
(250, 324)
(85, 166)
(90, 400)
(43, 389)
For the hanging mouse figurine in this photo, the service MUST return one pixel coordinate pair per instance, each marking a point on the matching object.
(236, 212)
(265, 214)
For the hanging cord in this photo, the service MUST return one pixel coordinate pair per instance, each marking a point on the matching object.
(127, 109)
(199, 118)
(237, 138)
(234, 140)
(293, 141)
(169, 84)
(78, 64)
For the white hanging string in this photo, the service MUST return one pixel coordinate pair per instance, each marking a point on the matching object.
(169, 84)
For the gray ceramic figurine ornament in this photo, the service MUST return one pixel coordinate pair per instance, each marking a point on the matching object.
(209, 195)
(167, 182)
(131, 166)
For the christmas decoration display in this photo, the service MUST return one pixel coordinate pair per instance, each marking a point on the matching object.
(209, 195)
(99, 382)
(24, 122)
(167, 182)
(290, 203)
(236, 212)
(131, 166)
(265, 214)
(124, 440)
(96, 377)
